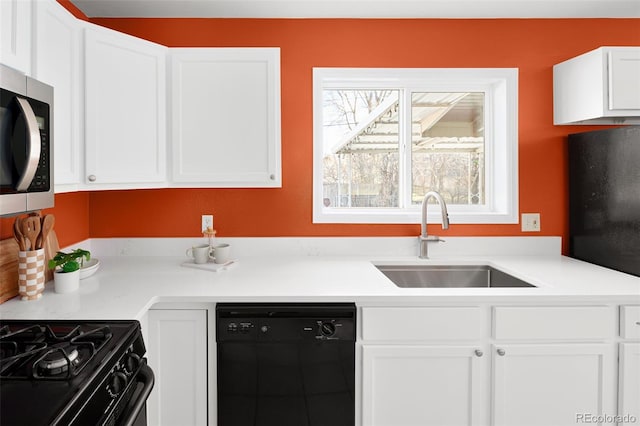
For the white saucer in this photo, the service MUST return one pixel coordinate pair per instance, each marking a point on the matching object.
(89, 268)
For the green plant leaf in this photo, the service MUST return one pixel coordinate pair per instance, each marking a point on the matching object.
(69, 261)
(70, 266)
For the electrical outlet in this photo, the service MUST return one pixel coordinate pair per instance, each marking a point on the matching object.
(207, 223)
(530, 222)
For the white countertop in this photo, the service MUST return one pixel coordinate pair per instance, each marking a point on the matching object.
(127, 284)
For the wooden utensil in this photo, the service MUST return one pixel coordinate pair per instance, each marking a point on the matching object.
(31, 229)
(17, 234)
(47, 222)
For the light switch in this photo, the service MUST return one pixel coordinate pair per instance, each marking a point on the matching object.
(530, 222)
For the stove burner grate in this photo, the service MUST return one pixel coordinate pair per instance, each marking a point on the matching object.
(40, 352)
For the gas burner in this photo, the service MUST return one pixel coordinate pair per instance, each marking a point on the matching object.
(58, 359)
(49, 351)
(68, 366)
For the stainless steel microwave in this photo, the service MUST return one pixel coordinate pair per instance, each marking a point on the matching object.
(26, 143)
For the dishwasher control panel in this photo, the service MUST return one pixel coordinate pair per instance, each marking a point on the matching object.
(284, 323)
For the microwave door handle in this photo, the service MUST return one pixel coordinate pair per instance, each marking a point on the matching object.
(33, 145)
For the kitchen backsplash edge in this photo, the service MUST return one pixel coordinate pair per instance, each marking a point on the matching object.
(328, 246)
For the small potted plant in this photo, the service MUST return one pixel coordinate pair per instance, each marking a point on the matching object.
(66, 269)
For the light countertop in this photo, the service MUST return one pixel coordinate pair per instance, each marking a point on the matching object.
(128, 284)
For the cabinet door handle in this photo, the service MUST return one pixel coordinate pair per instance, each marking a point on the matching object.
(501, 352)
(92, 178)
(478, 352)
(637, 322)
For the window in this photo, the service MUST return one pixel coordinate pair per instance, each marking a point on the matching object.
(384, 137)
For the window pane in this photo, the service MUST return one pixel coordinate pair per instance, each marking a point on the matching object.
(447, 146)
(360, 146)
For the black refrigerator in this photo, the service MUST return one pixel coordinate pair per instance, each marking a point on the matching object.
(604, 198)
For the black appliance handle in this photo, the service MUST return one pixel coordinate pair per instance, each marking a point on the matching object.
(145, 375)
(34, 144)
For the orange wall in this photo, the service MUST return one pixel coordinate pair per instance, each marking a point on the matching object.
(533, 46)
(72, 218)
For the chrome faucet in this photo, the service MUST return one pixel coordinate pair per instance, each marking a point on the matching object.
(424, 238)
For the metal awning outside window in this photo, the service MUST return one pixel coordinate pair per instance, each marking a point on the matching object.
(430, 113)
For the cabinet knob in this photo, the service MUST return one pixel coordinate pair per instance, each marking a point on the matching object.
(272, 177)
(92, 178)
(478, 352)
(501, 352)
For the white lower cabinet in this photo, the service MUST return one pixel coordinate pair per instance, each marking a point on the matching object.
(629, 386)
(492, 365)
(177, 353)
(629, 367)
(552, 384)
(424, 366)
(406, 385)
(553, 365)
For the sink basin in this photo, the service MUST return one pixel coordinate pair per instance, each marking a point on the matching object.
(450, 276)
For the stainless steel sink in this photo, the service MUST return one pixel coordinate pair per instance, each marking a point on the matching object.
(449, 276)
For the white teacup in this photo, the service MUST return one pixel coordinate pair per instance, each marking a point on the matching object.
(221, 253)
(201, 253)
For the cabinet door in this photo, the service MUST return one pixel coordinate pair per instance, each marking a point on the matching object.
(177, 353)
(226, 117)
(552, 384)
(406, 385)
(125, 132)
(624, 79)
(598, 87)
(57, 63)
(15, 34)
(629, 374)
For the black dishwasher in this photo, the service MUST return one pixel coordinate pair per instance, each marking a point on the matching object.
(290, 364)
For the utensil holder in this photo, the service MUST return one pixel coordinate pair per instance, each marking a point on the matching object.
(31, 274)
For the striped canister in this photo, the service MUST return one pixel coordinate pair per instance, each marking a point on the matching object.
(31, 274)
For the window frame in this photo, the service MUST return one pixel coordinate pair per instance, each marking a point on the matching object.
(500, 86)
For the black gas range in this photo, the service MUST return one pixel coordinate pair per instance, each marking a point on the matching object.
(72, 373)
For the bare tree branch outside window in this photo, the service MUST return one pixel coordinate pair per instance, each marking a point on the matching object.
(362, 147)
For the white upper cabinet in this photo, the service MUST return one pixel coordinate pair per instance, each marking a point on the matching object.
(57, 62)
(225, 117)
(15, 34)
(125, 111)
(599, 87)
(111, 96)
